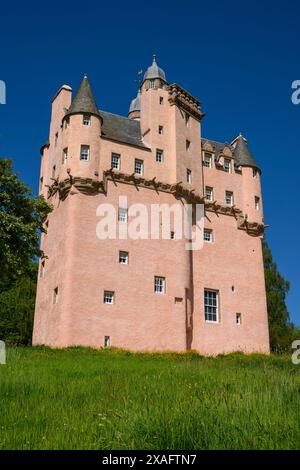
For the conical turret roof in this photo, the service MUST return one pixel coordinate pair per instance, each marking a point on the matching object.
(154, 71)
(84, 101)
(135, 104)
(242, 153)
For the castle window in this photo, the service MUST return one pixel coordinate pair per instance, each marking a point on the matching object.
(254, 172)
(56, 139)
(85, 153)
(108, 297)
(86, 120)
(257, 203)
(123, 257)
(211, 305)
(227, 165)
(187, 145)
(172, 235)
(159, 155)
(115, 161)
(209, 193)
(187, 119)
(159, 284)
(238, 318)
(160, 129)
(42, 269)
(55, 295)
(151, 84)
(161, 100)
(53, 171)
(41, 183)
(138, 167)
(106, 341)
(122, 215)
(208, 235)
(67, 122)
(207, 160)
(229, 198)
(65, 156)
(189, 176)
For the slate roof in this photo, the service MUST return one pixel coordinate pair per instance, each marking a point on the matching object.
(84, 101)
(154, 71)
(121, 129)
(135, 104)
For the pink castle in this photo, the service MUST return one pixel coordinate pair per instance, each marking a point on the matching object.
(148, 294)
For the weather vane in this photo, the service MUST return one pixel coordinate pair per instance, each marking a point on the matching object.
(139, 77)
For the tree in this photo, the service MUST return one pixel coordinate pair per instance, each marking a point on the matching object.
(21, 222)
(282, 331)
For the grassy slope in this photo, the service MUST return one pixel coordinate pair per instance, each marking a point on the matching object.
(86, 399)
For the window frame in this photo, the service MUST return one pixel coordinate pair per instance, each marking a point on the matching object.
(159, 288)
(86, 120)
(231, 203)
(123, 210)
(126, 257)
(141, 163)
(227, 165)
(211, 189)
(211, 236)
(159, 156)
(118, 157)
(209, 156)
(106, 294)
(217, 307)
(84, 147)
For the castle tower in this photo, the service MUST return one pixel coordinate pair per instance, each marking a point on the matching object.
(148, 292)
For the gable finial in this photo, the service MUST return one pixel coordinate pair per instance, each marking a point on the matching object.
(154, 58)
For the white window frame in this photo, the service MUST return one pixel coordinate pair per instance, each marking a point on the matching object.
(122, 214)
(138, 166)
(84, 153)
(209, 193)
(159, 156)
(115, 161)
(159, 285)
(208, 305)
(65, 155)
(86, 120)
(123, 257)
(227, 165)
(107, 341)
(108, 297)
(238, 318)
(227, 195)
(152, 83)
(207, 160)
(208, 235)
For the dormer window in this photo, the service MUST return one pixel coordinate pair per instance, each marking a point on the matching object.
(207, 160)
(86, 121)
(227, 165)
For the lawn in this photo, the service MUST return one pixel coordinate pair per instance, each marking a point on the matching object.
(81, 398)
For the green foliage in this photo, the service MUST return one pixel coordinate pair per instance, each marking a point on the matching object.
(282, 332)
(21, 219)
(80, 398)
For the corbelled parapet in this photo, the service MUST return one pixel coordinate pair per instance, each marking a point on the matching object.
(183, 99)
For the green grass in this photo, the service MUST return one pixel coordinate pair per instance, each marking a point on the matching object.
(81, 398)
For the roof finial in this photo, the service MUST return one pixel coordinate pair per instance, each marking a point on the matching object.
(85, 76)
(154, 58)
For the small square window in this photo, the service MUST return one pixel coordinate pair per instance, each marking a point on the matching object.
(108, 297)
(55, 295)
(160, 129)
(187, 119)
(209, 193)
(107, 342)
(123, 257)
(159, 155)
(254, 172)
(187, 145)
(188, 176)
(42, 269)
(238, 318)
(159, 284)
(85, 153)
(161, 100)
(86, 121)
(257, 203)
(138, 167)
(115, 161)
(208, 235)
(229, 198)
(207, 160)
(172, 236)
(122, 215)
(227, 165)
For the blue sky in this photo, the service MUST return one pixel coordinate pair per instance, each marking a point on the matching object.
(238, 58)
